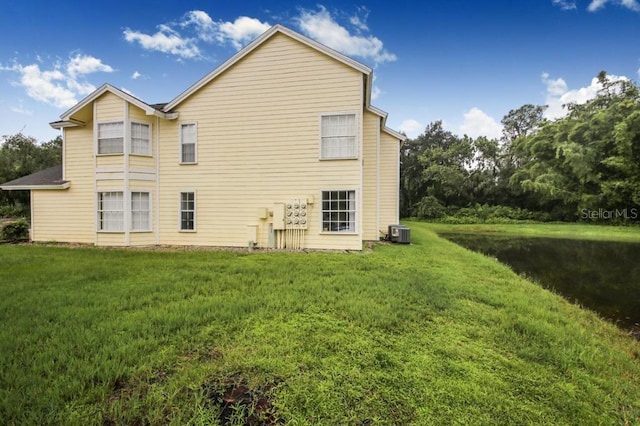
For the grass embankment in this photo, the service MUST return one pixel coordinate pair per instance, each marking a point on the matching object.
(422, 334)
(550, 230)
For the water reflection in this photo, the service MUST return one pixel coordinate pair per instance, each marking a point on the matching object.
(603, 276)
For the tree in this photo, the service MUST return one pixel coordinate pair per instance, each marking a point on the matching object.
(21, 155)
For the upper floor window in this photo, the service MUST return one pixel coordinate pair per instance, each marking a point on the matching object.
(188, 142)
(111, 138)
(140, 139)
(338, 136)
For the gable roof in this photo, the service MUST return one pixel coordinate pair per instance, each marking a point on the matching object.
(67, 120)
(276, 29)
(50, 178)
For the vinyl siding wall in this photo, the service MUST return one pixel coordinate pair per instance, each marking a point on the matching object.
(69, 215)
(259, 144)
(389, 180)
(370, 176)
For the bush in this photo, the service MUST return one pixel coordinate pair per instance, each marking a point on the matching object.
(17, 230)
(430, 208)
(12, 211)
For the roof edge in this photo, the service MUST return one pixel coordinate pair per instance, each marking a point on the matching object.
(66, 120)
(382, 114)
(64, 185)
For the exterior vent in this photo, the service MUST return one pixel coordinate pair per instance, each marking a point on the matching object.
(399, 234)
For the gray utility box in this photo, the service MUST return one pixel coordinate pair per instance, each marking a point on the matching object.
(399, 234)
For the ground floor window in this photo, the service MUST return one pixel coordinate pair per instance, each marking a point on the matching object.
(339, 211)
(140, 211)
(110, 211)
(187, 211)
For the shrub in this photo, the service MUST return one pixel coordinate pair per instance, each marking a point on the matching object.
(16, 230)
(430, 208)
(12, 211)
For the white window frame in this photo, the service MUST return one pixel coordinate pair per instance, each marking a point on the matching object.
(101, 212)
(194, 211)
(98, 138)
(195, 143)
(325, 138)
(149, 141)
(324, 229)
(144, 209)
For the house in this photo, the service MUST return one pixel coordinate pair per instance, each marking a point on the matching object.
(277, 147)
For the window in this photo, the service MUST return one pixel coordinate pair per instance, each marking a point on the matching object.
(140, 211)
(339, 211)
(338, 136)
(188, 141)
(187, 211)
(111, 138)
(110, 211)
(140, 139)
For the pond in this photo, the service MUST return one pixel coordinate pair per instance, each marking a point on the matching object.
(603, 276)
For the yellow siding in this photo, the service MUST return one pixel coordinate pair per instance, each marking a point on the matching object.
(69, 215)
(258, 143)
(109, 107)
(389, 180)
(370, 174)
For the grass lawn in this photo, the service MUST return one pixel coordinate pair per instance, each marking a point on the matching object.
(424, 334)
(552, 230)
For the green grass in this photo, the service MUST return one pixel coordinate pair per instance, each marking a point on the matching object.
(552, 230)
(423, 334)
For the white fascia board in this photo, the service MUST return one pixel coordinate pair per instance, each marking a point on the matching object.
(148, 109)
(383, 115)
(30, 187)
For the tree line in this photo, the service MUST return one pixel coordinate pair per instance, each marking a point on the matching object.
(584, 166)
(22, 155)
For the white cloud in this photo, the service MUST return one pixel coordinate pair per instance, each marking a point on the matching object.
(61, 85)
(596, 5)
(411, 128)
(558, 94)
(375, 92)
(165, 40)
(565, 4)
(321, 26)
(477, 123)
(556, 87)
(241, 31)
(20, 109)
(197, 26)
(360, 22)
(203, 23)
(85, 64)
(136, 75)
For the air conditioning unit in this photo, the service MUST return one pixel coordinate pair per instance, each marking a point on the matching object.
(399, 234)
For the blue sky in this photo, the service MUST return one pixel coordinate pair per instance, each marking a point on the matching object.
(466, 62)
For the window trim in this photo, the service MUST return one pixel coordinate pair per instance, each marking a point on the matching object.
(195, 211)
(149, 212)
(195, 148)
(356, 135)
(97, 138)
(98, 211)
(355, 212)
(150, 150)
